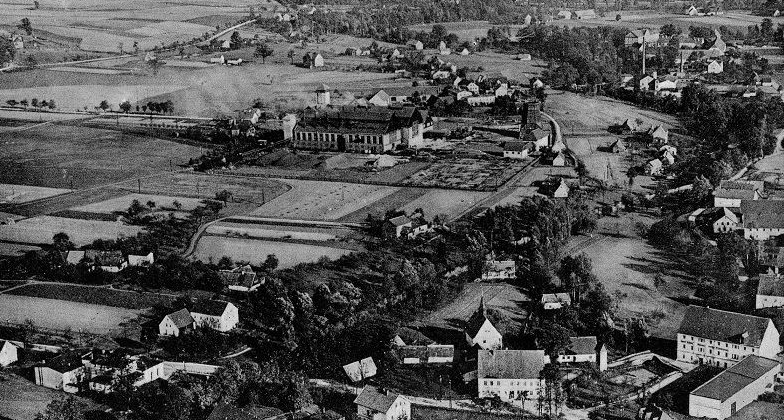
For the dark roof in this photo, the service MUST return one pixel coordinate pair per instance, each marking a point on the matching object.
(582, 345)
(535, 135)
(409, 90)
(762, 213)
(229, 412)
(181, 318)
(399, 220)
(477, 319)
(770, 285)
(106, 258)
(510, 364)
(741, 185)
(715, 324)
(372, 398)
(736, 378)
(516, 146)
(210, 307)
(65, 362)
(240, 276)
(742, 194)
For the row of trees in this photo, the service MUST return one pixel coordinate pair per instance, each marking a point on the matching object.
(34, 102)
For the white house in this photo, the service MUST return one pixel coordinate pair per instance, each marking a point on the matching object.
(499, 270)
(770, 292)
(216, 314)
(380, 98)
(691, 11)
(731, 193)
(501, 90)
(175, 323)
(715, 67)
(562, 190)
(727, 221)
(63, 372)
(375, 404)
(481, 100)
(415, 44)
(556, 300)
(241, 279)
(400, 223)
(735, 388)
(645, 82)
(762, 219)
(564, 14)
(361, 369)
(141, 260)
(512, 375)
(8, 353)
(666, 83)
(465, 51)
(585, 350)
(473, 88)
(480, 331)
(659, 135)
(654, 167)
(722, 338)
(516, 149)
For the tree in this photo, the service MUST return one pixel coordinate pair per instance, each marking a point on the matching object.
(263, 50)
(235, 41)
(26, 26)
(224, 195)
(52, 105)
(61, 242)
(270, 263)
(12, 102)
(34, 102)
(290, 55)
(24, 103)
(7, 51)
(125, 106)
(104, 105)
(618, 17)
(64, 408)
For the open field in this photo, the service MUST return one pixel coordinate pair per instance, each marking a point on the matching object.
(21, 399)
(212, 248)
(60, 314)
(634, 19)
(501, 296)
(76, 98)
(48, 156)
(13, 193)
(445, 202)
(393, 201)
(578, 113)
(203, 186)
(120, 204)
(93, 295)
(15, 249)
(41, 229)
(320, 200)
(37, 117)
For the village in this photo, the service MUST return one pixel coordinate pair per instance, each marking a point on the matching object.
(273, 211)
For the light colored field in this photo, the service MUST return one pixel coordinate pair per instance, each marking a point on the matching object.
(35, 116)
(122, 203)
(212, 248)
(320, 200)
(13, 193)
(61, 314)
(634, 19)
(88, 70)
(449, 202)
(41, 229)
(187, 64)
(77, 97)
(202, 186)
(169, 29)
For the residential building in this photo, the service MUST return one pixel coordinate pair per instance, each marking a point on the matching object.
(415, 44)
(771, 254)
(480, 331)
(499, 270)
(465, 51)
(109, 261)
(380, 98)
(735, 388)
(556, 300)
(241, 279)
(8, 353)
(585, 350)
(559, 159)
(726, 221)
(538, 137)
(481, 100)
(762, 219)
(64, 372)
(516, 149)
(722, 338)
(414, 348)
(654, 167)
(216, 314)
(715, 67)
(176, 323)
(668, 82)
(646, 82)
(377, 404)
(148, 370)
(313, 60)
(564, 14)
(731, 193)
(399, 224)
(371, 129)
(141, 260)
(463, 94)
(323, 95)
(473, 88)
(512, 375)
(361, 369)
(770, 291)
(659, 135)
(617, 147)
(555, 188)
(638, 36)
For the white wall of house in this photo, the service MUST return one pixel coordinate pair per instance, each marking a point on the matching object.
(400, 410)
(515, 154)
(488, 338)
(762, 234)
(50, 378)
(509, 389)
(167, 327)
(8, 354)
(717, 409)
(225, 322)
(764, 301)
(723, 225)
(724, 354)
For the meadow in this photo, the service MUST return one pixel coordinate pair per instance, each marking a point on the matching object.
(212, 248)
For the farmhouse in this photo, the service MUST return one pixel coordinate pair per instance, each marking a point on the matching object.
(726, 221)
(356, 129)
(512, 375)
(399, 224)
(376, 404)
(480, 331)
(380, 98)
(240, 279)
(735, 388)
(555, 187)
(141, 260)
(762, 219)
(176, 323)
(617, 146)
(361, 369)
(770, 292)
(312, 60)
(499, 270)
(556, 300)
(62, 372)
(585, 350)
(516, 149)
(646, 82)
(731, 193)
(715, 67)
(109, 261)
(722, 338)
(8, 353)
(216, 314)
(148, 370)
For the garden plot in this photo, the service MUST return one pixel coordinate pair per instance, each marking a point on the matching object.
(470, 174)
(13, 193)
(212, 248)
(321, 200)
(203, 186)
(41, 229)
(121, 204)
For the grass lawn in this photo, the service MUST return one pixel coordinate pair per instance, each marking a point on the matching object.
(94, 295)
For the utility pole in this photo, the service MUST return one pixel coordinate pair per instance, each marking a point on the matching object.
(643, 52)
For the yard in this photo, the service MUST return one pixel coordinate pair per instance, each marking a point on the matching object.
(21, 399)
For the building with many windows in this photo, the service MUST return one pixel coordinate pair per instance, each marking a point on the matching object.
(360, 129)
(722, 338)
(512, 375)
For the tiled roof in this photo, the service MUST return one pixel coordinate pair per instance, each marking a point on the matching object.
(181, 318)
(65, 362)
(106, 258)
(735, 379)
(477, 319)
(372, 398)
(361, 369)
(715, 324)
(412, 337)
(770, 285)
(399, 220)
(760, 214)
(516, 146)
(736, 194)
(582, 345)
(510, 364)
(210, 307)
(556, 298)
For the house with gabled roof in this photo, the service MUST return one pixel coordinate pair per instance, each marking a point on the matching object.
(731, 193)
(538, 137)
(516, 149)
(361, 369)
(480, 331)
(734, 388)
(216, 314)
(723, 338)
(109, 261)
(659, 134)
(511, 375)
(378, 404)
(176, 323)
(725, 221)
(312, 60)
(770, 291)
(399, 224)
(64, 372)
(585, 350)
(141, 260)
(8, 353)
(241, 279)
(499, 270)
(762, 219)
(556, 300)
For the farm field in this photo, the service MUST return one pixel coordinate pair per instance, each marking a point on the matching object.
(451, 203)
(634, 19)
(13, 193)
(122, 203)
(37, 117)
(322, 200)
(76, 98)
(93, 295)
(475, 174)
(21, 399)
(579, 114)
(60, 314)
(393, 201)
(41, 229)
(15, 249)
(501, 296)
(48, 156)
(212, 248)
